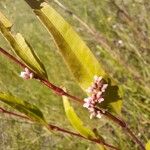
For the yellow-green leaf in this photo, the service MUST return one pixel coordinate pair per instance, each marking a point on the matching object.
(24, 107)
(148, 145)
(26, 53)
(22, 48)
(76, 54)
(5, 21)
(78, 124)
(75, 121)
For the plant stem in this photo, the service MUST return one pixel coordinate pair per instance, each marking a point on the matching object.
(12, 58)
(61, 92)
(135, 138)
(56, 128)
(117, 120)
(12, 113)
(75, 134)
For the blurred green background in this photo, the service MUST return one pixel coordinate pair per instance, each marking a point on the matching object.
(121, 43)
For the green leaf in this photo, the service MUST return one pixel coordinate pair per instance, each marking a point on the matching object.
(148, 145)
(77, 55)
(22, 48)
(75, 121)
(26, 53)
(78, 124)
(24, 107)
(5, 21)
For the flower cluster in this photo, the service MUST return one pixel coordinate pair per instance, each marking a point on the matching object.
(96, 91)
(26, 74)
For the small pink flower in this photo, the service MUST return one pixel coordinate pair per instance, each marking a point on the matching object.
(93, 114)
(89, 90)
(104, 87)
(98, 115)
(26, 74)
(99, 94)
(91, 109)
(97, 79)
(100, 100)
(86, 105)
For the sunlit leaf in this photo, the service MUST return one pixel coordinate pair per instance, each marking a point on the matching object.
(22, 48)
(5, 21)
(24, 107)
(76, 54)
(147, 145)
(77, 123)
(26, 53)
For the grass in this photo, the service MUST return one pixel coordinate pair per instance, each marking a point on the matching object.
(127, 61)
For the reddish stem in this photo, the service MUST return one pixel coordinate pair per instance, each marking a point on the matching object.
(75, 134)
(12, 58)
(12, 113)
(117, 120)
(61, 92)
(56, 128)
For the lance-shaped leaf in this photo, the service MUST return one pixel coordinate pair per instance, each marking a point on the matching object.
(77, 123)
(24, 107)
(5, 21)
(76, 54)
(22, 48)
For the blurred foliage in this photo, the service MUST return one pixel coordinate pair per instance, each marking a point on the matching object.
(125, 31)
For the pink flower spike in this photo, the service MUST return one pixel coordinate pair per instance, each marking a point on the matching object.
(96, 91)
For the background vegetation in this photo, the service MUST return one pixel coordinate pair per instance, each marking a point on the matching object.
(120, 41)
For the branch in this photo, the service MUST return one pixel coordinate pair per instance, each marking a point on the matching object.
(2, 110)
(61, 92)
(56, 128)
